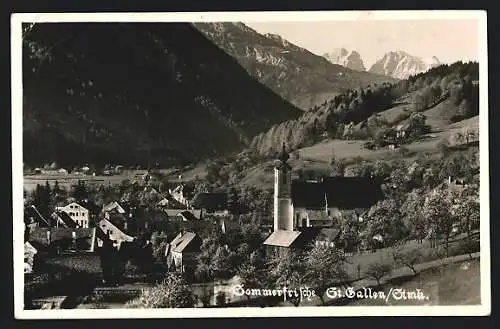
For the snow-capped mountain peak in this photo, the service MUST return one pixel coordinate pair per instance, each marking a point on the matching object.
(349, 59)
(401, 65)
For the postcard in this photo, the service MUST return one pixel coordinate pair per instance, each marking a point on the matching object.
(250, 164)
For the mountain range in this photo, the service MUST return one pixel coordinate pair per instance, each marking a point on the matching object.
(136, 94)
(294, 73)
(401, 65)
(396, 64)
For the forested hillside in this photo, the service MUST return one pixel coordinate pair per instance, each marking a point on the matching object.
(137, 94)
(353, 114)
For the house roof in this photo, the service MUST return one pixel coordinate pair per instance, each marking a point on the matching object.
(29, 249)
(282, 238)
(181, 241)
(63, 218)
(302, 238)
(339, 192)
(75, 204)
(32, 212)
(114, 206)
(212, 201)
(191, 214)
(327, 234)
(115, 233)
(310, 195)
(169, 201)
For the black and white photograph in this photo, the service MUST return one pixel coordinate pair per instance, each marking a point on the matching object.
(250, 164)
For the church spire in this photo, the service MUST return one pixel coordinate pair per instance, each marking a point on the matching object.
(284, 156)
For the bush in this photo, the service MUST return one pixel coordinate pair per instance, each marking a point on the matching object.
(173, 292)
(378, 270)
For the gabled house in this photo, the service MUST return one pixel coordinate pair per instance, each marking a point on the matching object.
(181, 252)
(114, 233)
(30, 254)
(168, 202)
(113, 206)
(34, 218)
(182, 194)
(62, 219)
(78, 213)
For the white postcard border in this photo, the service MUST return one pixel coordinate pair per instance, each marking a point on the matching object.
(17, 165)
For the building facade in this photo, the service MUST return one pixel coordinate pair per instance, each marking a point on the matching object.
(77, 213)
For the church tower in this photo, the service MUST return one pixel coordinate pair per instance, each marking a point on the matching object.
(283, 212)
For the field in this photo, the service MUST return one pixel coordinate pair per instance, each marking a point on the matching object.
(317, 157)
(30, 181)
(452, 284)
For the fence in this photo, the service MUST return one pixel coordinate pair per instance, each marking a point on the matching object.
(360, 260)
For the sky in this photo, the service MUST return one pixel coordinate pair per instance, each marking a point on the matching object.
(448, 40)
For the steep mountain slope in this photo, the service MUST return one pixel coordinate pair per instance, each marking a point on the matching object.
(294, 73)
(401, 65)
(444, 94)
(137, 94)
(350, 59)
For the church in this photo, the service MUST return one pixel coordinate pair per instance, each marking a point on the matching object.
(308, 212)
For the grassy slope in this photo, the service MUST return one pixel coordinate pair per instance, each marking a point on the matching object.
(317, 156)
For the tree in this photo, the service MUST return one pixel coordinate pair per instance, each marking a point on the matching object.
(206, 267)
(459, 137)
(79, 191)
(58, 194)
(408, 258)
(378, 270)
(413, 219)
(439, 218)
(384, 218)
(173, 292)
(337, 166)
(467, 213)
(251, 276)
(325, 266)
(287, 269)
(41, 199)
(221, 265)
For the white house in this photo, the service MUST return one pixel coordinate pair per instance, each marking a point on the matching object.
(77, 213)
(182, 194)
(113, 233)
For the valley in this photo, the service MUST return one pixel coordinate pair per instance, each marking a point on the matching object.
(165, 163)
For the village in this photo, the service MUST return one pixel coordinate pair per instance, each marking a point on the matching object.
(121, 246)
